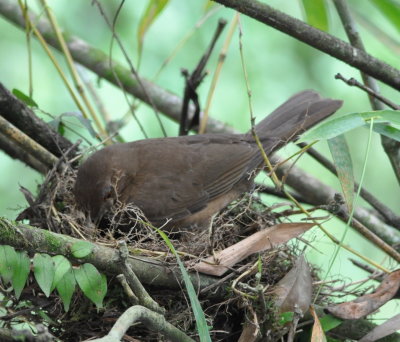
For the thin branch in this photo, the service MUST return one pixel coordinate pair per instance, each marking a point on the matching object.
(140, 292)
(26, 143)
(352, 82)
(318, 39)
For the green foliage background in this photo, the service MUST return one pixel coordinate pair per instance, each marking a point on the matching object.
(277, 65)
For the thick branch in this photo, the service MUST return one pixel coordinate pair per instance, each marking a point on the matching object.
(148, 271)
(21, 116)
(320, 40)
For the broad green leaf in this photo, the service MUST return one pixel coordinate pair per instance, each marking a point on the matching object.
(24, 98)
(61, 266)
(316, 13)
(286, 317)
(153, 10)
(344, 167)
(43, 269)
(8, 261)
(58, 125)
(390, 9)
(92, 283)
(201, 323)
(66, 287)
(329, 322)
(342, 124)
(387, 130)
(21, 272)
(81, 249)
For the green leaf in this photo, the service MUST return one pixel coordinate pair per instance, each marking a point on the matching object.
(344, 167)
(286, 317)
(329, 322)
(390, 9)
(8, 261)
(92, 283)
(386, 130)
(24, 98)
(316, 13)
(58, 125)
(81, 249)
(43, 269)
(201, 323)
(342, 124)
(153, 10)
(22, 269)
(61, 266)
(66, 287)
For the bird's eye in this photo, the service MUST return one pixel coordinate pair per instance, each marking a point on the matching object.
(107, 193)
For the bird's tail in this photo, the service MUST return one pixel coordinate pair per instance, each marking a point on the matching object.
(298, 114)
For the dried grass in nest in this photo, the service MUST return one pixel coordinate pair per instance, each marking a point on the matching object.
(55, 209)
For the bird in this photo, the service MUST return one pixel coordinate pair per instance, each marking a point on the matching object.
(182, 182)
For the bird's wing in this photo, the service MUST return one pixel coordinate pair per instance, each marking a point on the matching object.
(204, 167)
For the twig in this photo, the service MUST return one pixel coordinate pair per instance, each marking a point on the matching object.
(192, 82)
(221, 60)
(317, 39)
(354, 83)
(140, 292)
(142, 87)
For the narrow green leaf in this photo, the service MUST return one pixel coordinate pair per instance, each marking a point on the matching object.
(386, 130)
(61, 266)
(43, 269)
(342, 124)
(153, 10)
(344, 167)
(316, 13)
(81, 249)
(201, 323)
(390, 9)
(66, 287)
(92, 283)
(21, 272)
(24, 98)
(8, 260)
(329, 322)
(58, 125)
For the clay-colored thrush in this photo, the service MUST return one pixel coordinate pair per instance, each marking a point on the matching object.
(190, 178)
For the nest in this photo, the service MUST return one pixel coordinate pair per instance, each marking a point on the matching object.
(54, 209)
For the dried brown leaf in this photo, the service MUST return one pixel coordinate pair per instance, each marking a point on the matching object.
(383, 330)
(260, 241)
(294, 290)
(367, 304)
(318, 334)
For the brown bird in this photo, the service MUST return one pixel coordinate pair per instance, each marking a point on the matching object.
(188, 179)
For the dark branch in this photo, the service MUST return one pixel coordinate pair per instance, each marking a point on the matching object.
(318, 39)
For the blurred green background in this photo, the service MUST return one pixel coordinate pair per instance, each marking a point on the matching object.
(277, 67)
